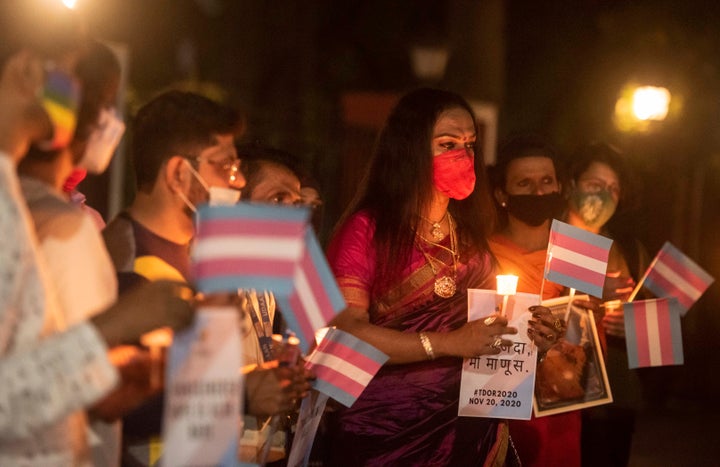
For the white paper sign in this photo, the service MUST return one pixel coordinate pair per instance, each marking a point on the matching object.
(500, 386)
(311, 411)
(203, 392)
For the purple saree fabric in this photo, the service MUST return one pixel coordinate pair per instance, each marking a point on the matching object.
(407, 415)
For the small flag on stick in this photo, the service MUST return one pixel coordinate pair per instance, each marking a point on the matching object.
(673, 274)
(577, 258)
(248, 246)
(315, 297)
(344, 365)
(653, 333)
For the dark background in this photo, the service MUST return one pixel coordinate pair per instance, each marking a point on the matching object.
(318, 77)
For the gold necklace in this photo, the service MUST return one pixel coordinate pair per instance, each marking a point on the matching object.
(445, 286)
(436, 231)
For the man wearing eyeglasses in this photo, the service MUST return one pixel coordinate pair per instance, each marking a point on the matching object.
(184, 155)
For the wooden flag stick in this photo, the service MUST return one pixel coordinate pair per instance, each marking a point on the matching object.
(640, 283)
(548, 258)
(569, 305)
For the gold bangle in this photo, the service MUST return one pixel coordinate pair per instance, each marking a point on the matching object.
(427, 345)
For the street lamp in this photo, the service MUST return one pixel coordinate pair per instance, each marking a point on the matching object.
(639, 106)
(651, 103)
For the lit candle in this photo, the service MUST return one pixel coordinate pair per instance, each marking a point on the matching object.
(506, 286)
(157, 342)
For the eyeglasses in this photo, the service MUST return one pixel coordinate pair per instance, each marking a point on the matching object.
(229, 167)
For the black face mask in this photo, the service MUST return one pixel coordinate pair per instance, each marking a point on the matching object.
(535, 209)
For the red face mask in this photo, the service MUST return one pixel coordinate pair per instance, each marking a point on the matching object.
(454, 173)
(77, 176)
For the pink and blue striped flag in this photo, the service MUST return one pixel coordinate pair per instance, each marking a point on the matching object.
(672, 274)
(653, 333)
(577, 258)
(315, 297)
(344, 365)
(248, 246)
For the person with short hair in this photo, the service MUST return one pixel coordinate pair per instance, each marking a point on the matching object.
(184, 155)
(271, 175)
(527, 189)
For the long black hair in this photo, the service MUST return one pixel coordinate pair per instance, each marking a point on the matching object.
(398, 184)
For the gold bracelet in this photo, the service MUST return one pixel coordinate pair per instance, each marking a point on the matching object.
(427, 345)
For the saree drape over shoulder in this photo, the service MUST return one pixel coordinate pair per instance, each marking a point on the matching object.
(407, 415)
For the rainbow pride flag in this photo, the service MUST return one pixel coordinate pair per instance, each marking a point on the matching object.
(61, 100)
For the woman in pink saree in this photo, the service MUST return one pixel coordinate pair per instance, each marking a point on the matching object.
(404, 256)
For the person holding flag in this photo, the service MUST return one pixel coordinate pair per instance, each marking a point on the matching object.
(528, 191)
(599, 187)
(184, 156)
(404, 255)
(271, 179)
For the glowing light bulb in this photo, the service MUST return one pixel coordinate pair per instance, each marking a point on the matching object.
(650, 103)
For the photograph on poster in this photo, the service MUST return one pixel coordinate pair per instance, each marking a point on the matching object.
(572, 373)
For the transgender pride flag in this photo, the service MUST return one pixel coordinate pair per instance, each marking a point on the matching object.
(315, 297)
(577, 258)
(652, 332)
(344, 365)
(248, 246)
(672, 274)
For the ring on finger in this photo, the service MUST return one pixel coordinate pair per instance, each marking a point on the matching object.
(497, 343)
(489, 320)
(558, 324)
